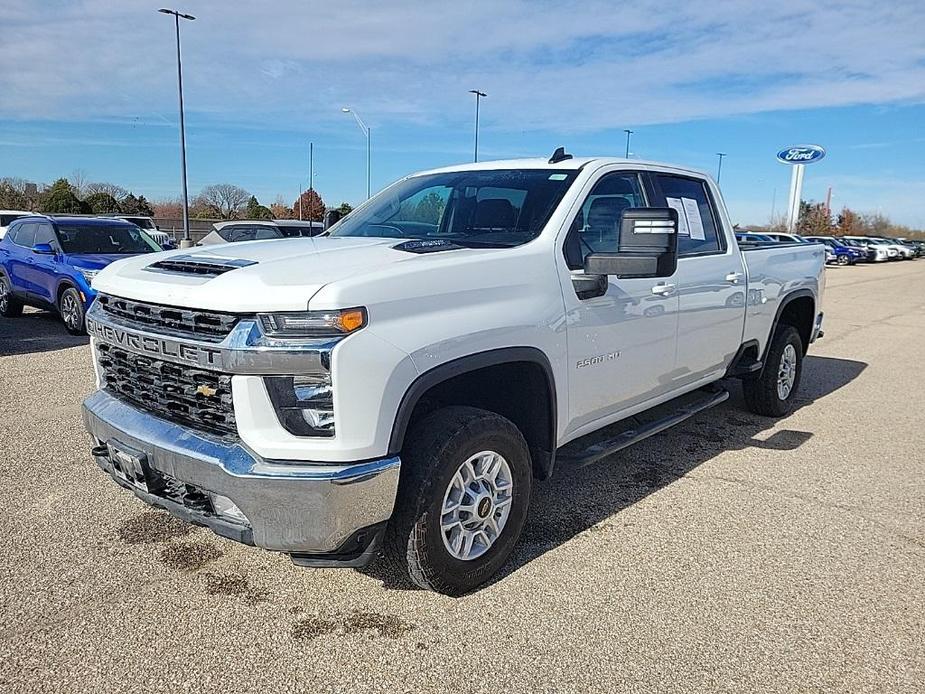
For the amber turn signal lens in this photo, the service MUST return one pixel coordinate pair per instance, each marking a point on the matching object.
(352, 320)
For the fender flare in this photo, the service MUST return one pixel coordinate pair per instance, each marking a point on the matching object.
(473, 362)
(788, 299)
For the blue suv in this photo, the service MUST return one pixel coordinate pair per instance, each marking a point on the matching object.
(48, 262)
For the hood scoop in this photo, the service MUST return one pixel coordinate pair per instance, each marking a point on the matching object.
(202, 265)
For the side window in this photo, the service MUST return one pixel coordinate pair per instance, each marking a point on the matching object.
(697, 223)
(596, 227)
(25, 235)
(45, 233)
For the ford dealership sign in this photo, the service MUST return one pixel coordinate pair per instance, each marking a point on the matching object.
(801, 154)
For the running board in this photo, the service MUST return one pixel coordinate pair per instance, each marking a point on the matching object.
(577, 456)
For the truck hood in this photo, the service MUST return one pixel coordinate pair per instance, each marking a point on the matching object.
(273, 275)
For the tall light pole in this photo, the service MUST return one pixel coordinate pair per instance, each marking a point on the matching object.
(628, 133)
(187, 241)
(365, 130)
(478, 97)
(719, 165)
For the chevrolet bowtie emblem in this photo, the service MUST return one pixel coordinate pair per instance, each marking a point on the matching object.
(206, 390)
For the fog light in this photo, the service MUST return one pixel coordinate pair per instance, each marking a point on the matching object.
(304, 404)
(226, 508)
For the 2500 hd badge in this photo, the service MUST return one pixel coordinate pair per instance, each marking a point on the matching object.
(197, 355)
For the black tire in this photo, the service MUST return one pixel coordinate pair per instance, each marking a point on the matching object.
(762, 394)
(10, 306)
(435, 449)
(71, 308)
(842, 260)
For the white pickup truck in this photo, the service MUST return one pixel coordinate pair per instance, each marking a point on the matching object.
(397, 386)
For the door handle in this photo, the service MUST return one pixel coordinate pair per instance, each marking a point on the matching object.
(663, 289)
(734, 277)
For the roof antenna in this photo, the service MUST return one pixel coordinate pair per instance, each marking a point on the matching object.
(559, 155)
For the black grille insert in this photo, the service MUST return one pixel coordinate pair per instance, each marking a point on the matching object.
(208, 325)
(196, 398)
(200, 265)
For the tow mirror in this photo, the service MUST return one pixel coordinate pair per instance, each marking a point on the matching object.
(331, 218)
(647, 247)
(43, 249)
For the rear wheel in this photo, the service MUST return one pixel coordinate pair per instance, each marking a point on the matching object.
(71, 308)
(462, 500)
(772, 393)
(10, 306)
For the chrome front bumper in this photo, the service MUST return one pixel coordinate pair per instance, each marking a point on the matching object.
(300, 508)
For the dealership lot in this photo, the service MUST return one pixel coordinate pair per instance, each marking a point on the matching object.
(730, 553)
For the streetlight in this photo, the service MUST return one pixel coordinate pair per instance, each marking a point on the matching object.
(186, 242)
(478, 97)
(719, 165)
(628, 133)
(365, 130)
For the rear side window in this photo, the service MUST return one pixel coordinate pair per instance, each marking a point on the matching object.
(696, 221)
(24, 235)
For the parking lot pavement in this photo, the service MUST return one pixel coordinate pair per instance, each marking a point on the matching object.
(733, 553)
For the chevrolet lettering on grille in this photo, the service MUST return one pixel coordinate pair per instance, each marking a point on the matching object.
(172, 350)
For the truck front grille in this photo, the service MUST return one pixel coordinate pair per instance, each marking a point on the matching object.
(196, 398)
(206, 325)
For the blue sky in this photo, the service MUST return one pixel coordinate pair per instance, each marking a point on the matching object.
(91, 86)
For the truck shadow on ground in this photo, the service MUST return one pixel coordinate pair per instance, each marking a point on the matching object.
(578, 500)
(34, 332)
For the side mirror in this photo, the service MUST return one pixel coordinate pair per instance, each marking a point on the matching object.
(331, 218)
(648, 246)
(43, 249)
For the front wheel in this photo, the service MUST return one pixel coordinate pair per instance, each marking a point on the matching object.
(842, 260)
(772, 392)
(462, 500)
(71, 307)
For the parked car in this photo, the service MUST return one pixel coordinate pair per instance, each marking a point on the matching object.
(162, 238)
(752, 237)
(898, 251)
(910, 249)
(7, 217)
(917, 244)
(844, 255)
(260, 229)
(781, 237)
(882, 251)
(872, 252)
(403, 381)
(49, 262)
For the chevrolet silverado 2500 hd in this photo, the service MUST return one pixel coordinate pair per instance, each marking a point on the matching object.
(398, 385)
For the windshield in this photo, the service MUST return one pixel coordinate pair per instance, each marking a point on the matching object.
(117, 239)
(143, 222)
(469, 208)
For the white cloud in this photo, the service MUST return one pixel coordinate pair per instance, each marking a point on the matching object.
(574, 66)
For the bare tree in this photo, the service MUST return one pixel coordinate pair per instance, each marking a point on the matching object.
(116, 191)
(78, 181)
(225, 200)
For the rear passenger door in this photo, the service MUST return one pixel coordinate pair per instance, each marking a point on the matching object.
(710, 278)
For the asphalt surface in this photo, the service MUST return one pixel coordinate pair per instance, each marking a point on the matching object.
(733, 553)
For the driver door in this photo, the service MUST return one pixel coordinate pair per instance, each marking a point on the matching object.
(621, 345)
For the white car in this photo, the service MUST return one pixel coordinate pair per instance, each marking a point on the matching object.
(882, 249)
(260, 229)
(162, 238)
(404, 381)
(7, 217)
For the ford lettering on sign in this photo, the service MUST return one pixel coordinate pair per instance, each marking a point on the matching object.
(801, 154)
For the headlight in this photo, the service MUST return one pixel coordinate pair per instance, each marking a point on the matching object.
(304, 404)
(313, 323)
(88, 274)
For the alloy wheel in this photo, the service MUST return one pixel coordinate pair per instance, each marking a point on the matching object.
(787, 372)
(476, 505)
